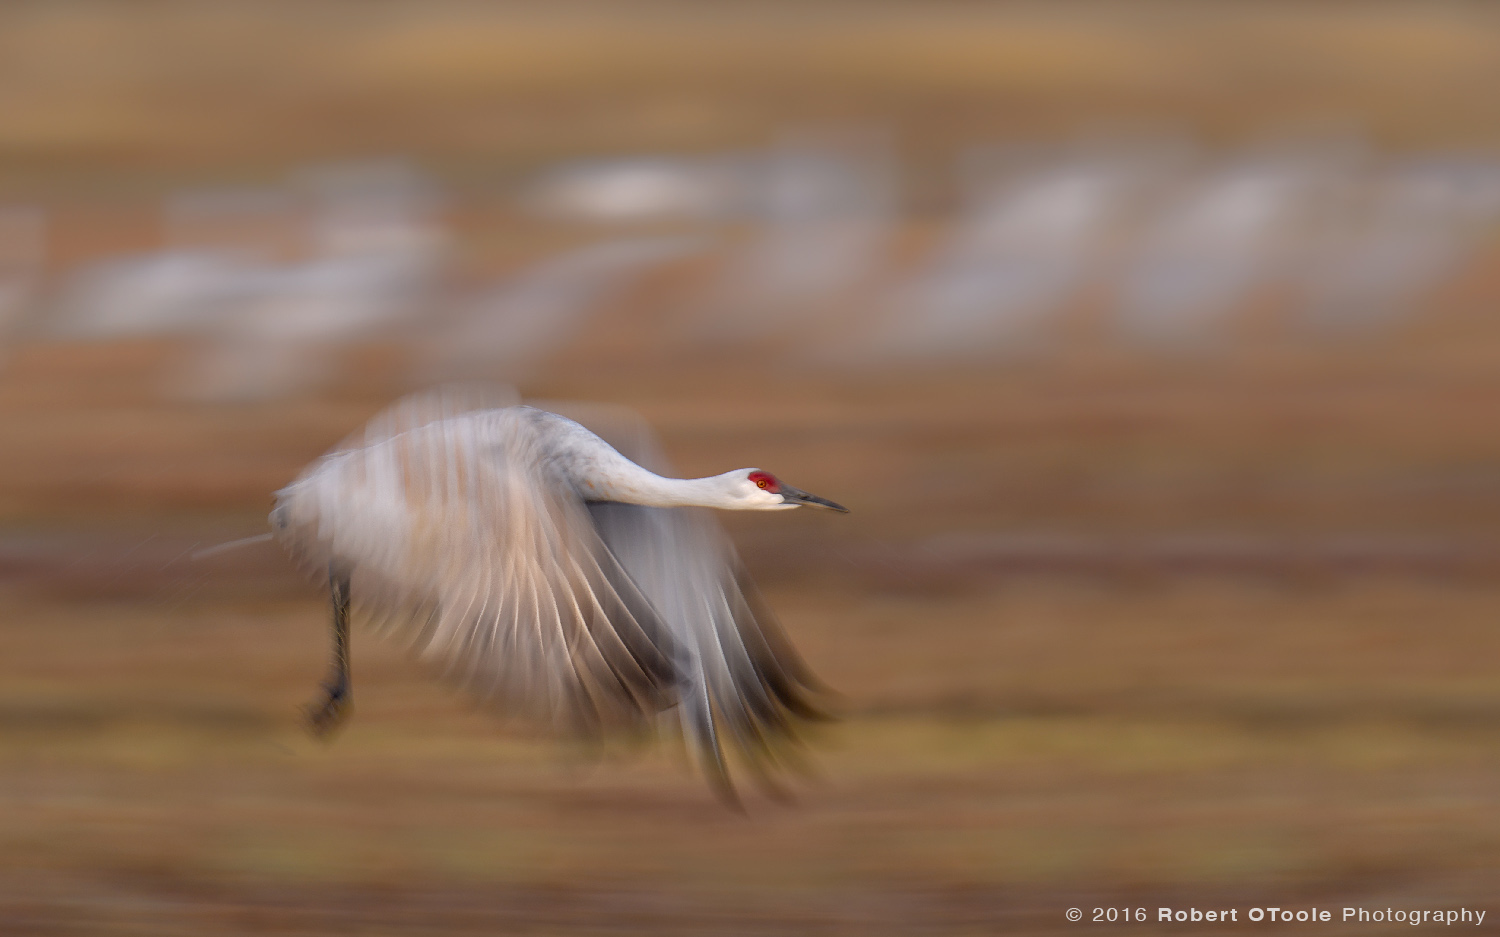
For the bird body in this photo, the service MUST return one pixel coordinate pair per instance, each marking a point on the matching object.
(550, 574)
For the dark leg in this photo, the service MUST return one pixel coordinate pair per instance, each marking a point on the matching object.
(324, 717)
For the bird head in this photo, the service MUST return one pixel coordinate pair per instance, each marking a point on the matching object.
(757, 490)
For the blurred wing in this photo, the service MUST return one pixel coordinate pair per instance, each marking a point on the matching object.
(455, 535)
(745, 682)
(430, 406)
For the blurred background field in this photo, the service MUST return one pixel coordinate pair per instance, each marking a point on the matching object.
(1153, 345)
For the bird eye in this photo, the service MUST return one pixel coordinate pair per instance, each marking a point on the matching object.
(765, 481)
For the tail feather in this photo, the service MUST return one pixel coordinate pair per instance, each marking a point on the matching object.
(230, 545)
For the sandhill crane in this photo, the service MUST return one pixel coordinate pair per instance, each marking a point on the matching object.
(553, 574)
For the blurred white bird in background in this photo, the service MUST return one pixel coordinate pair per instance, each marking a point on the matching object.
(825, 207)
(1219, 241)
(550, 571)
(508, 330)
(377, 248)
(1029, 238)
(639, 190)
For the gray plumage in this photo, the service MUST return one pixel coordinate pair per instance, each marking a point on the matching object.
(548, 566)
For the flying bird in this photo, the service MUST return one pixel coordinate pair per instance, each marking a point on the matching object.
(550, 567)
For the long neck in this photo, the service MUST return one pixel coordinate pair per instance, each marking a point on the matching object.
(599, 473)
(635, 485)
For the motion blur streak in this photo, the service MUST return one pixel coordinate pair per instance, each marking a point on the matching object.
(1151, 343)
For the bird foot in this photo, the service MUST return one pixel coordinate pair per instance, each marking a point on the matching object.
(325, 718)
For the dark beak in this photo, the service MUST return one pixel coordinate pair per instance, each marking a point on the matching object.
(798, 496)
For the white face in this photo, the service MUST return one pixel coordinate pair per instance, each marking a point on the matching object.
(757, 491)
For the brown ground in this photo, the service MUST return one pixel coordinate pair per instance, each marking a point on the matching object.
(1017, 739)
